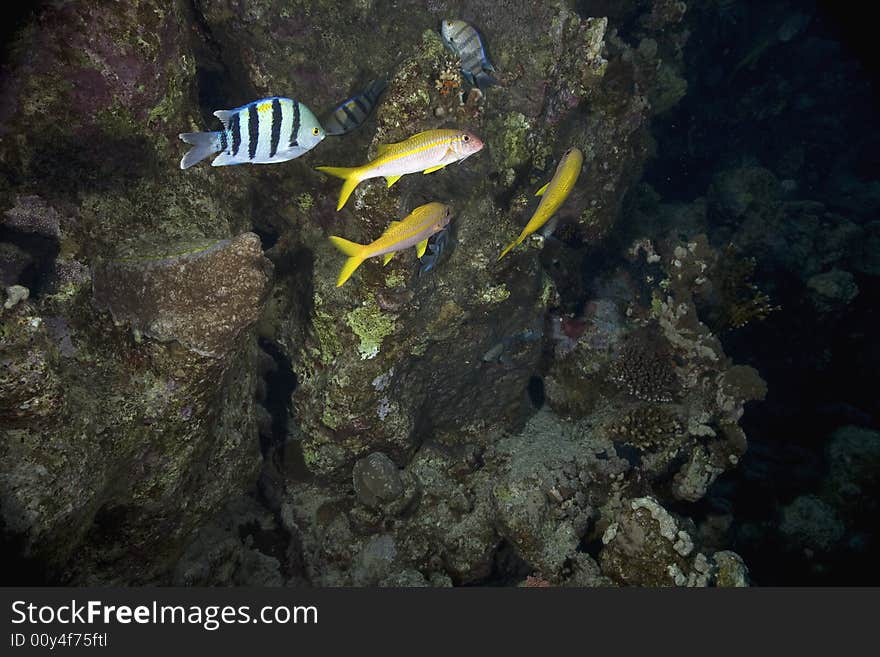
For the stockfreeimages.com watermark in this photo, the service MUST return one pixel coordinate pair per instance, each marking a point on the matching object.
(210, 617)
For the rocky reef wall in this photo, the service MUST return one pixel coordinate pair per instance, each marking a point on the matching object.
(521, 421)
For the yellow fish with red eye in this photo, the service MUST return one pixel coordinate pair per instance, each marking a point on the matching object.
(427, 152)
(553, 194)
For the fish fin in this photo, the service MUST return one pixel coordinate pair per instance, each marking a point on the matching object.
(356, 253)
(381, 149)
(433, 169)
(225, 116)
(510, 246)
(541, 191)
(391, 224)
(548, 229)
(387, 258)
(376, 88)
(390, 180)
(420, 248)
(348, 269)
(225, 159)
(203, 145)
(482, 80)
(351, 178)
(469, 77)
(348, 247)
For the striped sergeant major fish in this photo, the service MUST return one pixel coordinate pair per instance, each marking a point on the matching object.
(351, 114)
(465, 42)
(262, 132)
(427, 152)
(553, 194)
(412, 230)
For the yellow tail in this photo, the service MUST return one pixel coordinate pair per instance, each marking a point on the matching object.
(351, 178)
(515, 243)
(352, 249)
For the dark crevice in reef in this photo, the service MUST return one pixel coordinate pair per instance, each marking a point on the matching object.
(16, 15)
(273, 542)
(268, 223)
(268, 238)
(220, 75)
(535, 390)
(40, 250)
(507, 568)
(16, 567)
(280, 382)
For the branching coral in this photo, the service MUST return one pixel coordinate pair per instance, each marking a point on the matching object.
(644, 368)
(647, 427)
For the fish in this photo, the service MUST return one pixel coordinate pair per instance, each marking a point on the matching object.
(265, 131)
(412, 230)
(427, 152)
(553, 194)
(465, 42)
(498, 351)
(352, 113)
(435, 250)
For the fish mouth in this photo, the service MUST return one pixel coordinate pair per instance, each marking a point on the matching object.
(472, 143)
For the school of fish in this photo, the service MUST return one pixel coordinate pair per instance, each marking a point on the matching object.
(277, 129)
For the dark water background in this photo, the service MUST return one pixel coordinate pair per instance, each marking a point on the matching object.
(821, 373)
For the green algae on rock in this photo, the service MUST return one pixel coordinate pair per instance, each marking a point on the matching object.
(371, 325)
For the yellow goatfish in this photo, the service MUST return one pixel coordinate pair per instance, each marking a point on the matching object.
(426, 152)
(553, 194)
(413, 230)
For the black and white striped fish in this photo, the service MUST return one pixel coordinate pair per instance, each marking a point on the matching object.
(463, 39)
(262, 132)
(352, 113)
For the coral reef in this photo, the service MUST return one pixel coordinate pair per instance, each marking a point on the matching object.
(647, 546)
(188, 398)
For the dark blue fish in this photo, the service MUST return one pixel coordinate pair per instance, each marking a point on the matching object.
(352, 113)
(435, 249)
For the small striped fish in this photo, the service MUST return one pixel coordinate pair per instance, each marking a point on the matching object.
(553, 195)
(464, 40)
(427, 152)
(353, 112)
(263, 132)
(413, 230)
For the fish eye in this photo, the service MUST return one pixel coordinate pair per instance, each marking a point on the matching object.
(316, 131)
(466, 138)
